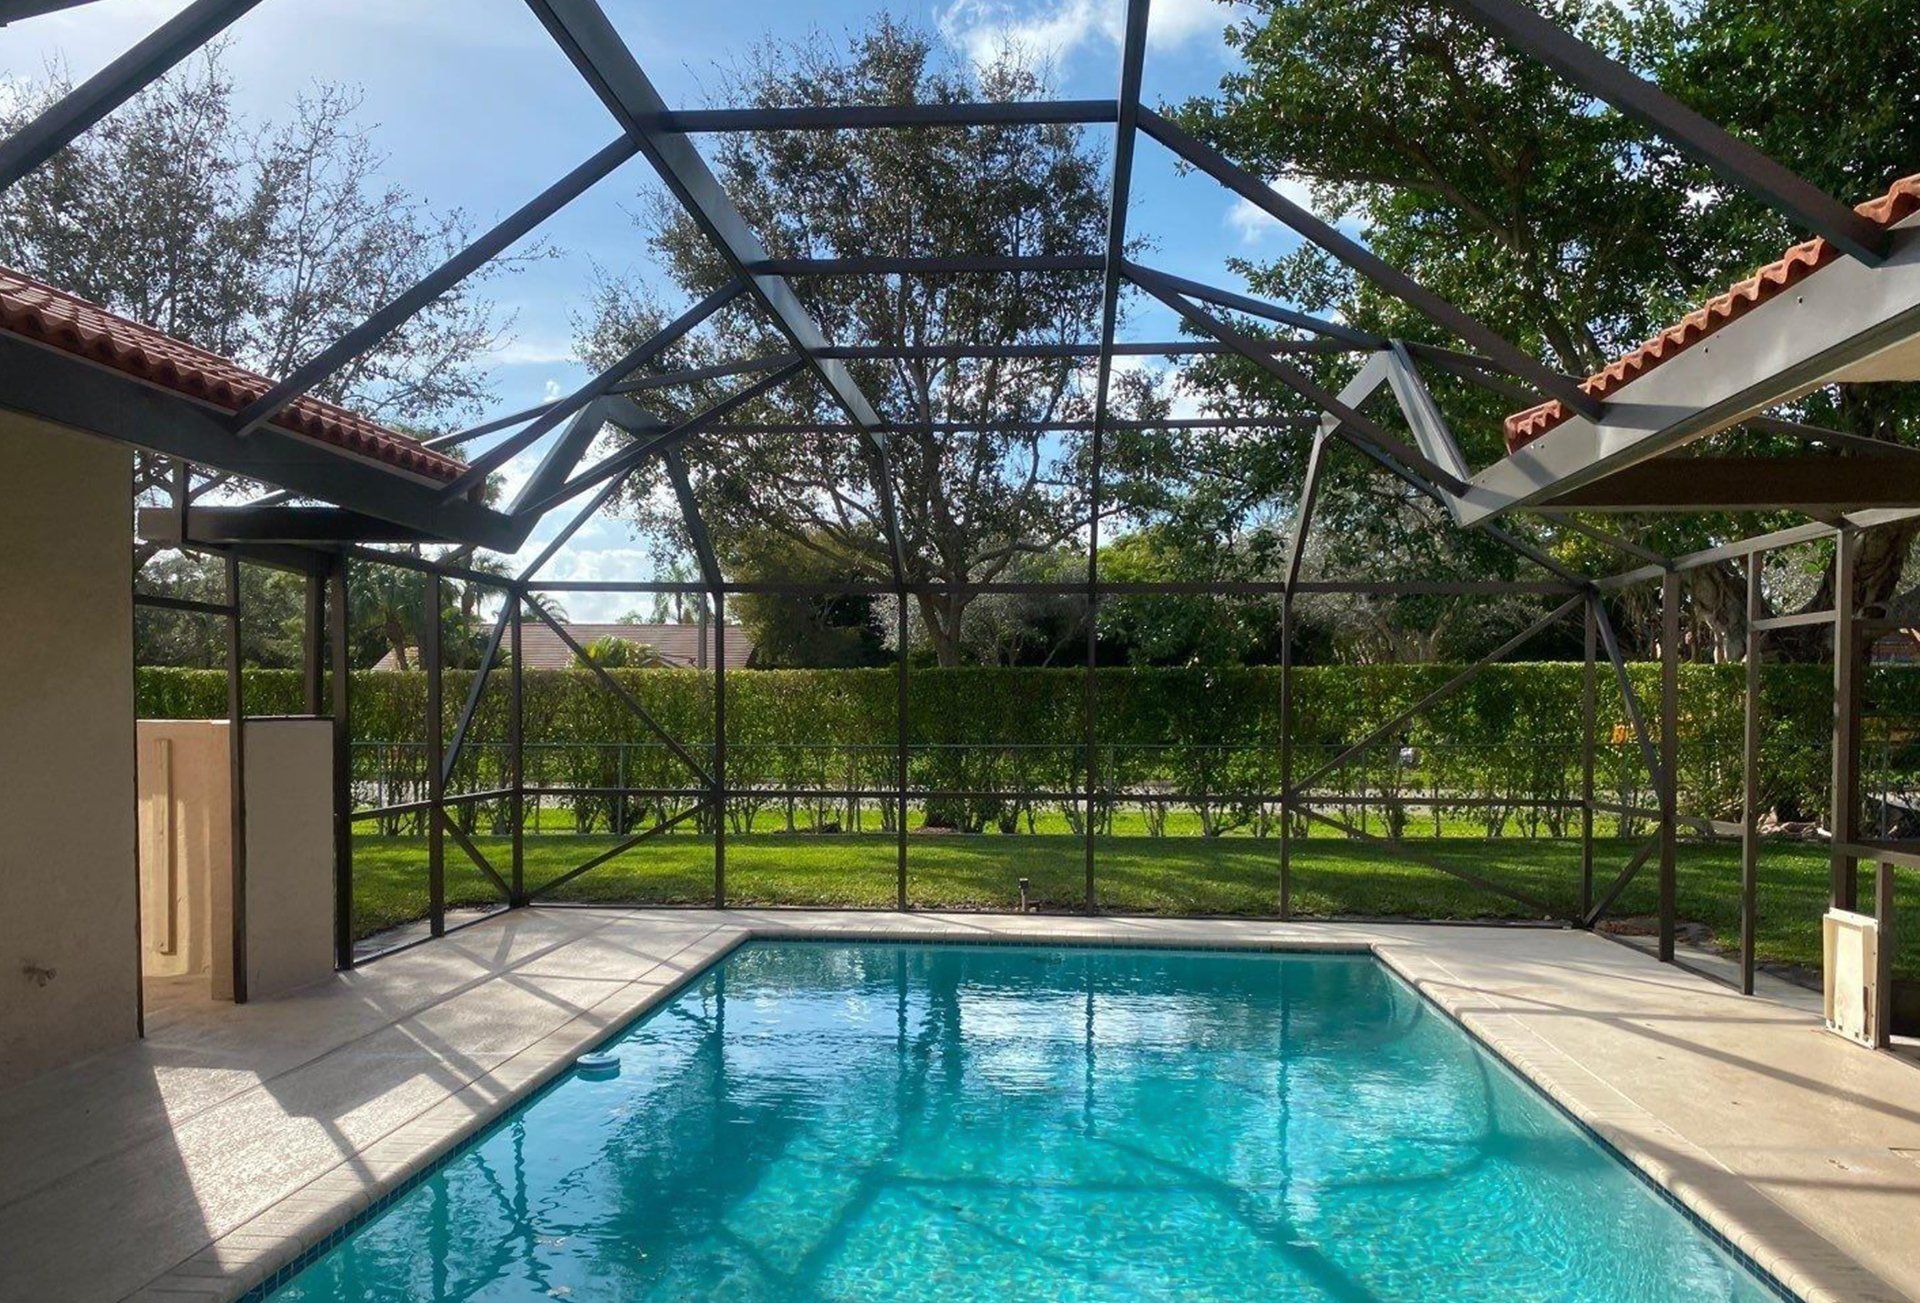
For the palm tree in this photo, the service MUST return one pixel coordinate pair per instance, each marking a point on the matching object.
(614, 653)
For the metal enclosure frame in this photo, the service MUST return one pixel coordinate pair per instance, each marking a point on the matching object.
(1576, 470)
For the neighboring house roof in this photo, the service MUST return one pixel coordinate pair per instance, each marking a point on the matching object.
(1798, 263)
(51, 317)
(1897, 646)
(677, 644)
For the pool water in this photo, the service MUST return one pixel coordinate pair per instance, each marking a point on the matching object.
(828, 1121)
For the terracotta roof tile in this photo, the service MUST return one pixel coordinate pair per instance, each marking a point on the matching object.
(38, 312)
(1798, 263)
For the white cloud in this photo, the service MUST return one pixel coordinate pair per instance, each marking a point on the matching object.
(1254, 224)
(1055, 29)
(533, 352)
(1175, 22)
(591, 564)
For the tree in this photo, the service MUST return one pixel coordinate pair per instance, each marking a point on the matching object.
(271, 635)
(802, 631)
(1186, 628)
(387, 602)
(611, 652)
(262, 242)
(1554, 220)
(970, 503)
(1009, 629)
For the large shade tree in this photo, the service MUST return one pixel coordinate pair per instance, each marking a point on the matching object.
(1553, 219)
(971, 503)
(260, 241)
(263, 242)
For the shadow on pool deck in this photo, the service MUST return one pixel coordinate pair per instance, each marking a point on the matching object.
(262, 1126)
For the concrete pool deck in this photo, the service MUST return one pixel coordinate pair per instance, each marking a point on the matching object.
(198, 1162)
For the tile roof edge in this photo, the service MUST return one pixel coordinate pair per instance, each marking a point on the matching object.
(1902, 200)
(52, 318)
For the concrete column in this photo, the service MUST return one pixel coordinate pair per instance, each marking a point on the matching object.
(69, 927)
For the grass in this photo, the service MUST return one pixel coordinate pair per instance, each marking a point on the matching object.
(1135, 874)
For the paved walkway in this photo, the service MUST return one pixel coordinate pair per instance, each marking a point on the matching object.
(198, 1161)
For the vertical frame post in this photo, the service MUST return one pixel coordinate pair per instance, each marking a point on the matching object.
(342, 766)
(313, 645)
(1589, 692)
(1750, 781)
(1883, 955)
(1286, 754)
(516, 751)
(1669, 753)
(719, 749)
(436, 745)
(237, 769)
(1844, 869)
(1089, 704)
(900, 751)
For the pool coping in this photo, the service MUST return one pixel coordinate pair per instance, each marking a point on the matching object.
(264, 1251)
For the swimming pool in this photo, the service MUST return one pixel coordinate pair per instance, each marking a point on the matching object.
(863, 1121)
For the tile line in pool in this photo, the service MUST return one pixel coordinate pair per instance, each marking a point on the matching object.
(866, 1120)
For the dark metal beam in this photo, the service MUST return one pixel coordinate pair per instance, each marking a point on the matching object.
(690, 512)
(339, 649)
(1367, 263)
(836, 117)
(696, 374)
(1269, 311)
(629, 457)
(1813, 483)
(313, 644)
(619, 690)
(1848, 663)
(1750, 778)
(409, 303)
(494, 426)
(589, 40)
(1864, 445)
(114, 84)
(1353, 424)
(1278, 421)
(554, 884)
(1078, 588)
(272, 524)
(1405, 851)
(1669, 759)
(1133, 54)
(478, 686)
(874, 265)
(1706, 142)
(637, 356)
(1090, 350)
(58, 387)
(1619, 884)
(473, 854)
(237, 786)
(12, 11)
(1442, 692)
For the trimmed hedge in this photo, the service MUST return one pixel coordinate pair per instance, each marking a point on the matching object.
(1204, 737)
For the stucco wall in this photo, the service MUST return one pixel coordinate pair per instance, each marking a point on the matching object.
(186, 793)
(67, 887)
(185, 832)
(289, 854)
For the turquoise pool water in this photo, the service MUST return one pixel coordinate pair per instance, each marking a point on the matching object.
(814, 1121)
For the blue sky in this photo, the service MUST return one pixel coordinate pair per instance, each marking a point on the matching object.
(477, 110)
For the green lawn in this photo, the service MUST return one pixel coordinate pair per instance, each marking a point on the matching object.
(1333, 876)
